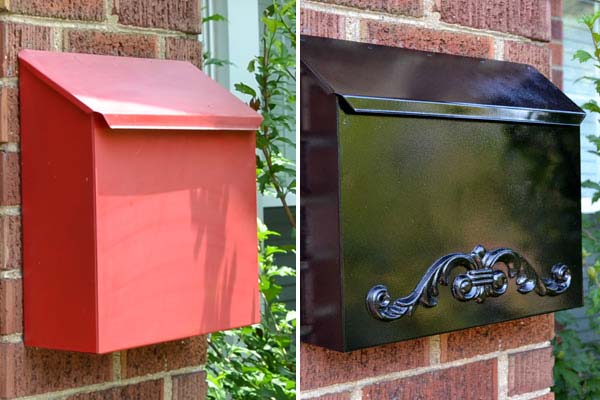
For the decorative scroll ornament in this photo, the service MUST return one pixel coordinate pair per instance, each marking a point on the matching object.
(479, 281)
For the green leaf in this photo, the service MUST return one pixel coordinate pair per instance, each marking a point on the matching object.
(582, 56)
(243, 88)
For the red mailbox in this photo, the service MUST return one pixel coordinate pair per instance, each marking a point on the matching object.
(139, 202)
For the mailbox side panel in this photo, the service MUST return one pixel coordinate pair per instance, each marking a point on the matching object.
(58, 220)
(417, 189)
(177, 244)
(320, 275)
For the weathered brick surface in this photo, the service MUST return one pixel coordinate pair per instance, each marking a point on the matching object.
(28, 371)
(406, 7)
(115, 44)
(166, 356)
(89, 10)
(474, 381)
(181, 15)
(530, 371)
(557, 29)
(9, 114)
(529, 18)
(14, 37)
(189, 386)
(10, 192)
(324, 367)
(528, 53)
(557, 78)
(184, 50)
(490, 338)
(556, 8)
(150, 390)
(335, 396)
(316, 23)
(11, 306)
(413, 37)
(10, 242)
(556, 53)
(548, 396)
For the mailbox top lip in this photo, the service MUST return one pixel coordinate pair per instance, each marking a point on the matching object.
(141, 93)
(390, 80)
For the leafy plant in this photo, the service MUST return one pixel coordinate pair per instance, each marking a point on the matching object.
(577, 365)
(259, 361)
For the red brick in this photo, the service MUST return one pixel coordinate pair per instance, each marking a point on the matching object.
(9, 114)
(164, 357)
(322, 367)
(115, 44)
(10, 242)
(405, 7)
(189, 386)
(14, 37)
(527, 53)
(557, 30)
(529, 18)
(11, 306)
(490, 338)
(10, 194)
(89, 10)
(28, 371)
(530, 371)
(413, 37)
(181, 15)
(556, 53)
(317, 23)
(473, 381)
(556, 8)
(184, 50)
(557, 77)
(334, 396)
(149, 390)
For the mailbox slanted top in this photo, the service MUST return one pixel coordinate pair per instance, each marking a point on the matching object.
(139, 93)
(387, 80)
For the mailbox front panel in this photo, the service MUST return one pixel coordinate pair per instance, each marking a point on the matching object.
(413, 190)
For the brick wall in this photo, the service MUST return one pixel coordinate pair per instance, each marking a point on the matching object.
(141, 28)
(511, 360)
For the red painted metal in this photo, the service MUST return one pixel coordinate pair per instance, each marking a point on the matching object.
(133, 235)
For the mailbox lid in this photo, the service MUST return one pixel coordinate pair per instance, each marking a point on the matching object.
(140, 93)
(387, 80)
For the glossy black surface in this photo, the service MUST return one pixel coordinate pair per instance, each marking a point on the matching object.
(385, 195)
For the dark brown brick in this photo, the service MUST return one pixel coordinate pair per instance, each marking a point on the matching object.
(557, 30)
(557, 78)
(88, 10)
(474, 381)
(15, 37)
(164, 356)
(317, 23)
(27, 370)
(405, 7)
(490, 338)
(527, 53)
(9, 114)
(11, 306)
(184, 50)
(149, 390)
(180, 15)
(530, 371)
(10, 192)
(115, 44)
(413, 37)
(189, 386)
(529, 18)
(322, 367)
(10, 242)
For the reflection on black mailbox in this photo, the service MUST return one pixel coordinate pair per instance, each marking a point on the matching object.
(438, 193)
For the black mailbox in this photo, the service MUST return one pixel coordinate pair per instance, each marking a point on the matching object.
(438, 193)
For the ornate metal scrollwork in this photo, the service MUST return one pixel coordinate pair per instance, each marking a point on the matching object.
(479, 281)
